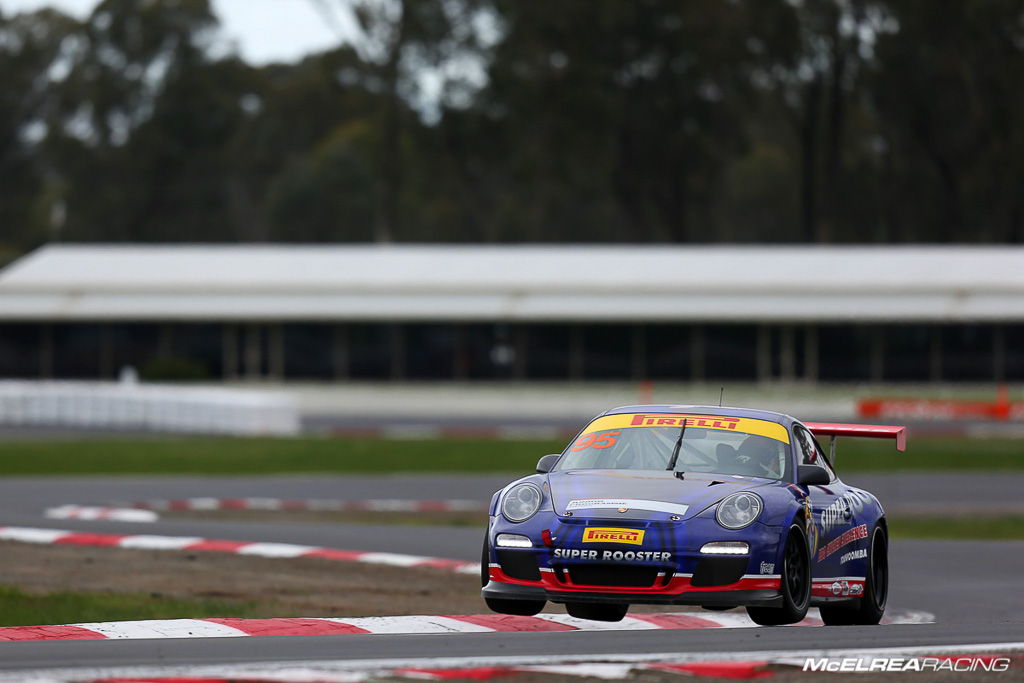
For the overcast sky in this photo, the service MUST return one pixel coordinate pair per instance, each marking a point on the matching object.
(263, 30)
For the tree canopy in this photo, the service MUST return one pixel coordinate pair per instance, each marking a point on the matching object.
(517, 120)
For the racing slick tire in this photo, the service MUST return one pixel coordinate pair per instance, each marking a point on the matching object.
(871, 607)
(520, 608)
(795, 584)
(597, 612)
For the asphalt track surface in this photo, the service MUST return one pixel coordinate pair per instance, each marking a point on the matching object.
(973, 587)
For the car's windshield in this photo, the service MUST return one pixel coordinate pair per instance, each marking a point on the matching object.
(711, 444)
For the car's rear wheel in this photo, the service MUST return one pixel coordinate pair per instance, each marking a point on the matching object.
(871, 607)
(522, 608)
(795, 584)
(596, 611)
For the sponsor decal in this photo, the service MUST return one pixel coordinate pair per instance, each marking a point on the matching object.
(846, 538)
(627, 503)
(610, 555)
(705, 421)
(599, 534)
(840, 587)
(767, 567)
(812, 528)
(844, 508)
(853, 555)
(745, 425)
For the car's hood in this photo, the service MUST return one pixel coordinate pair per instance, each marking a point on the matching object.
(649, 494)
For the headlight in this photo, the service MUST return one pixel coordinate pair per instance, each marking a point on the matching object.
(513, 541)
(521, 502)
(739, 510)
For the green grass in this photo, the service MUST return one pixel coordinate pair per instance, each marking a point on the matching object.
(18, 608)
(274, 456)
(269, 456)
(929, 454)
(966, 528)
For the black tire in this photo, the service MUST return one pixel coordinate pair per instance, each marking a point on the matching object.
(597, 611)
(796, 584)
(871, 607)
(522, 608)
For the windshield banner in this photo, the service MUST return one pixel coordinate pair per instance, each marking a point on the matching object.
(745, 425)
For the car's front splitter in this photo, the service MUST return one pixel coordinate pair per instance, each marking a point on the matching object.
(749, 590)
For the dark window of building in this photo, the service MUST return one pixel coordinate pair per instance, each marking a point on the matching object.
(844, 353)
(77, 351)
(1013, 343)
(667, 352)
(371, 351)
(548, 350)
(787, 344)
(607, 351)
(430, 351)
(201, 344)
(490, 351)
(730, 352)
(908, 352)
(967, 353)
(131, 345)
(20, 350)
(309, 351)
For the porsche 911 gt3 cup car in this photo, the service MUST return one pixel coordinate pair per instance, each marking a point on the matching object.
(718, 507)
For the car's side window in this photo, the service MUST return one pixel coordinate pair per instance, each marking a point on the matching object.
(810, 451)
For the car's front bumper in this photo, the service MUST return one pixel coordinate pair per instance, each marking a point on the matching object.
(678, 590)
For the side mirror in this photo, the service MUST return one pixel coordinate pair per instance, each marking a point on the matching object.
(547, 462)
(812, 475)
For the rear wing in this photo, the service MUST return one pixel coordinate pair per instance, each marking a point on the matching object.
(834, 429)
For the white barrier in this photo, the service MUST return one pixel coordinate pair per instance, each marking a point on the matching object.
(147, 407)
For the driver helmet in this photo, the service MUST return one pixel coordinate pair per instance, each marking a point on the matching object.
(760, 457)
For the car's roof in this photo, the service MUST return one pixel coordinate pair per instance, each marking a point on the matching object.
(724, 411)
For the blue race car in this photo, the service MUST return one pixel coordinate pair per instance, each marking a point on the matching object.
(695, 505)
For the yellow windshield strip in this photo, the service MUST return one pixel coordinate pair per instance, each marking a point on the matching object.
(746, 425)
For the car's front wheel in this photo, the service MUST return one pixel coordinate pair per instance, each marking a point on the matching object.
(597, 611)
(522, 608)
(876, 588)
(795, 584)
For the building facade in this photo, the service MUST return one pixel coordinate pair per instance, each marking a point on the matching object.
(567, 312)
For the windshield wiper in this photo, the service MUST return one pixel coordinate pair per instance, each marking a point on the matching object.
(675, 449)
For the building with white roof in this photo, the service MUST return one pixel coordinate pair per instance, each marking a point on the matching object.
(551, 312)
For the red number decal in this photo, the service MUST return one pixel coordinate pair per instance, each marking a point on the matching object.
(584, 442)
(595, 441)
(607, 439)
